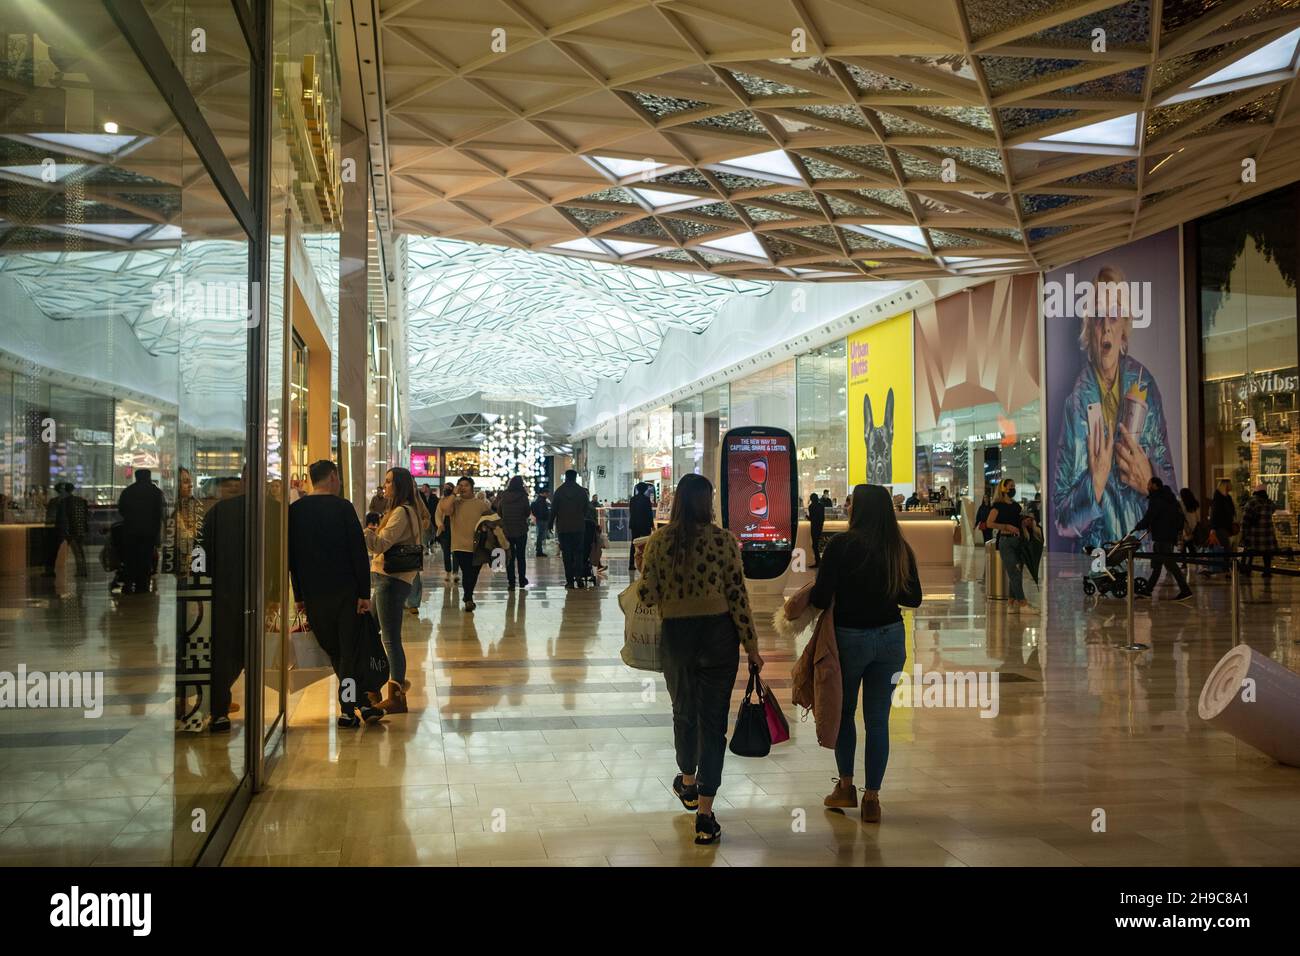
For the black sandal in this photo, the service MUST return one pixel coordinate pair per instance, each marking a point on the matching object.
(689, 796)
(348, 721)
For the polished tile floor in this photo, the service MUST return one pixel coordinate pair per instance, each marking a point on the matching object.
(530, 743)
(123, 788)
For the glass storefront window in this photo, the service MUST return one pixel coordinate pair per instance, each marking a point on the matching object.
(765, 398)
(1247, 286)
(123, 402)
(977, 448)
(821, 436)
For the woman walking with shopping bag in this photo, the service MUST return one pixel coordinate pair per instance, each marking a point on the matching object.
(868, 571)
(691, 571)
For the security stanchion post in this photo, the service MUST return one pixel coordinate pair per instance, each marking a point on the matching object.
(1235, 602)
(1128, 601)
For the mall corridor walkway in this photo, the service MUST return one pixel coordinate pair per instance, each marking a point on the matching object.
(529, 742)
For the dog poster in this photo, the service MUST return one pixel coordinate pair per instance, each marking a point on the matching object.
(881, 439)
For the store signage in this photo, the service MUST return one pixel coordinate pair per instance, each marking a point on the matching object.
(987, 436)
(1267, 383)
(1273, 474)
(90, 436)
(942, 447)
(806, 454)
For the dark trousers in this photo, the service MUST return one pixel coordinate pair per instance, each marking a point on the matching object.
(571, 549)
(227, 652)
(541, 537)
(518, 558)
(1166, 560)
(468, 572)
(137, 562)
(700, 657)
(444, 542)
(333, 619)
(815, 532)
(55, 540)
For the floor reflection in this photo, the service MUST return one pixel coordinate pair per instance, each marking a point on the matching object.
(529, 742)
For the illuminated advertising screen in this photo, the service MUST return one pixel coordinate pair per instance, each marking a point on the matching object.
(424, 463)
(758, 491)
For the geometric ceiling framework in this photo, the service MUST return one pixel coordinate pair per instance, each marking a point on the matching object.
(832, 140)
(512, 325)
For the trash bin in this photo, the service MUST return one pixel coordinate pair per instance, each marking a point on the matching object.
(995, 578)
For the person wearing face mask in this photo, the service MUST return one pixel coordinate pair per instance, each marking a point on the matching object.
(1113, 436)
(1008, 520)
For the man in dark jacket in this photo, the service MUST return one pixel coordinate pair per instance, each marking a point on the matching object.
(569, 513)
(142, 509)
(1164, 518)
(542, 518)
(640, 519)
(223, 541)
(330, 571)
(68, 517)
(816, 521)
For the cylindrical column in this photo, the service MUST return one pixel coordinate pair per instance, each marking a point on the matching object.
(1257, 700)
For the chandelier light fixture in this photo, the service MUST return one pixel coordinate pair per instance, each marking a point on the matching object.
(514, 446)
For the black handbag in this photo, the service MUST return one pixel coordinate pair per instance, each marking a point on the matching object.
(401, 558)
(752, 737)
(370, 665)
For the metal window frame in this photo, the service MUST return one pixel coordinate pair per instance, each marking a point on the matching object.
(251, 211)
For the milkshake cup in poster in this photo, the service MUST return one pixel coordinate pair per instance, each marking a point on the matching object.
(1133, 411)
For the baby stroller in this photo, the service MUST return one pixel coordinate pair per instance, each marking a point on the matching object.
(1112, 579)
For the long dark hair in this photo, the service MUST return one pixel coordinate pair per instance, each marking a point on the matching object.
(517, 484)
(692, 510)
(871, 515)
(1189, 500)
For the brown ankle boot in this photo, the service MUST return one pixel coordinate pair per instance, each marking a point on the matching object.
(844, 795)
(870, 809)
(396, 700)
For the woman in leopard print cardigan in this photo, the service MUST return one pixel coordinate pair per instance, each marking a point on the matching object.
(692, 572)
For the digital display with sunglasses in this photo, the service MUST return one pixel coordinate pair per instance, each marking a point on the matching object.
(759, 496)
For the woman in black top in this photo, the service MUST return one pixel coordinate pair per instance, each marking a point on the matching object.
(1008, 521)
(1223, 516)
(640, 520)
(981, 516)
(869, 571)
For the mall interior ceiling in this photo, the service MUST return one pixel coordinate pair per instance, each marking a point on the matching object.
(823, 141)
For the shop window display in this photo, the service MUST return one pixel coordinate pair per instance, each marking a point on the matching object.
(821, 402)
(1251, 413)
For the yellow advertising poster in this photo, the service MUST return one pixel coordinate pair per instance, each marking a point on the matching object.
(880, 403)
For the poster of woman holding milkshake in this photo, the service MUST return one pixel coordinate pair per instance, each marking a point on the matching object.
(1113, 433)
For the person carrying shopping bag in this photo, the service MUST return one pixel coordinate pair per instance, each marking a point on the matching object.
(868, 572)
(692, 572)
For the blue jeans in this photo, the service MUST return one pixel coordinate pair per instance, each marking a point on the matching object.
(870, 657)
(417, 591)
(1007, 547)
(388, 600)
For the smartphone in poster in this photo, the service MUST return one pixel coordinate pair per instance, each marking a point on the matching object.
(1113, 344)
(759, 494)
